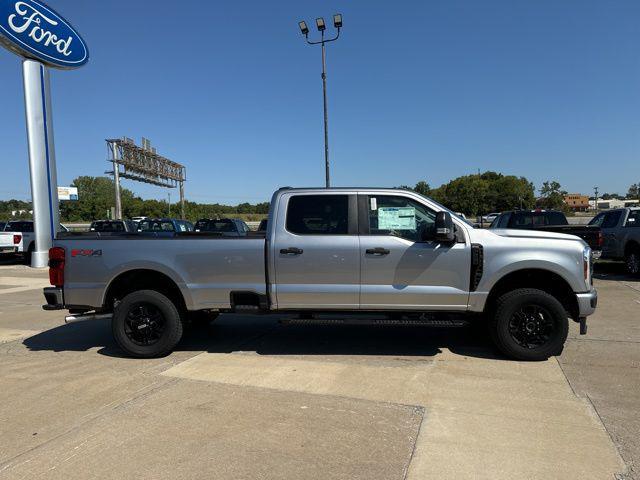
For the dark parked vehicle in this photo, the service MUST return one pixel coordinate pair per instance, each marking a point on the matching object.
(166, 226)
(263, 225)
(549, 221)
(227, 227)
(621, 231)
(109, 226)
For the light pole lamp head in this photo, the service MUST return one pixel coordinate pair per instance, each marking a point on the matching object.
(320, 24)
(303, 28)
(337, 20)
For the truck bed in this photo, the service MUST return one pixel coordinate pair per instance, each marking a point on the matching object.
(211, 265)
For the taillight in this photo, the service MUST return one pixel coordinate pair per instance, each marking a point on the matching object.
(17, 239)
(56, 266)
(600, 239)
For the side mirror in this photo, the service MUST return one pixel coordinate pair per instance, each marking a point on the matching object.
(444, 228)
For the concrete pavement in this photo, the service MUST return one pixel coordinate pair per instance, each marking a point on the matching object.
(249, 398)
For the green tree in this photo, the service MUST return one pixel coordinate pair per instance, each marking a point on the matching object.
(486, 192)
(552, 196)
(96, 197)
(422, 188)
(634, 191)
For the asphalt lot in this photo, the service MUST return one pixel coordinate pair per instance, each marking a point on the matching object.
(252, 398)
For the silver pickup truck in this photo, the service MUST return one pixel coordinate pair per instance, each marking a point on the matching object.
(339, 250)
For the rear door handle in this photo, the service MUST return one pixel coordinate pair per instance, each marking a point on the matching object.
(377, 251)
(291, 251)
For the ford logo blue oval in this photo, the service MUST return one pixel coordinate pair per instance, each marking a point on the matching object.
(33, 30)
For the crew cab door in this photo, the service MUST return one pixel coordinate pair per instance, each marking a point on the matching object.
(316, 251)
(400, 271)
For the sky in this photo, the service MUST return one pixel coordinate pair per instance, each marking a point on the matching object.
(423, 90)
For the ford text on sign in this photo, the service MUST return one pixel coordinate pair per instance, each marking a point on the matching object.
(34, 30)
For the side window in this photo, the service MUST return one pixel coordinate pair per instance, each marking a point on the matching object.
(611, 219)
(633, 220)
(399, 216)
(318, 214)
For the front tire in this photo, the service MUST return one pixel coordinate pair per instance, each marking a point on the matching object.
(146, 324)
(529, 324)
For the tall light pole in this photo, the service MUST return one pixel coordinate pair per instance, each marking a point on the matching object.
(337, 23)
(595, 203)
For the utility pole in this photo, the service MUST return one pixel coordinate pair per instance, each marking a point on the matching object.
(596, 198)
(320, 24)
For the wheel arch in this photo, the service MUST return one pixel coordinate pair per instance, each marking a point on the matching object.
(143, 279)
(545, 280)
(630, 246)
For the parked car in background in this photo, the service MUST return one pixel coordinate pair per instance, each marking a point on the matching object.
(263, 225)
(621, 236)
(2, 224)
(226, 227)
(108, 226)
(18, 237)
(332, 249)
(164, 226)
(549, 221)
(488, 218)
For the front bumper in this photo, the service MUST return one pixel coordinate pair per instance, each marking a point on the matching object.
(587, 303)
(54, 297)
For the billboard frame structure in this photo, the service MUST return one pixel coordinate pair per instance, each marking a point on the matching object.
(143, 164)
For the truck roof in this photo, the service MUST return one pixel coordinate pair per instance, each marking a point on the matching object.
(324, 189)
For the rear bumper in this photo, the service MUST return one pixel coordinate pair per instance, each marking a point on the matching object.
(587, 303)
(54, 298)
(5, 249)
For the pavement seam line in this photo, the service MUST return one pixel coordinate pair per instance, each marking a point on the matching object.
(422, 411)
(595, 410)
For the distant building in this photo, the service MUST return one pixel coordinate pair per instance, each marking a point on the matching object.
(613, 203)
(577, 202)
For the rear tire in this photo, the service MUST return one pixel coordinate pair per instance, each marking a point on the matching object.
(146, 324)
(529, 324)
(632, 261)
(26, 256)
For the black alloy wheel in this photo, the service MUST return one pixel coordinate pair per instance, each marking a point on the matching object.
(144, 324)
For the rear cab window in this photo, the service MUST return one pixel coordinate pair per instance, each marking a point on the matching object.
(318, 215)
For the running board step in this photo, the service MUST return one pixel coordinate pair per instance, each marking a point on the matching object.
(447, 323)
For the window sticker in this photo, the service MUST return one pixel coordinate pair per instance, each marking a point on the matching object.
(397, 218)
(374, 203)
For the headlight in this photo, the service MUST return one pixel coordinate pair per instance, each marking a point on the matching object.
(586, 264)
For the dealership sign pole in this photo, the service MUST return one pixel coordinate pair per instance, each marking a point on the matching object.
(44, 39)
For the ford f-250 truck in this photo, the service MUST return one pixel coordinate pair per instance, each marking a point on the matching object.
(332, 250)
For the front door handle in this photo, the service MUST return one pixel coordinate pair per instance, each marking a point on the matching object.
(291, 251)
(377, 251)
